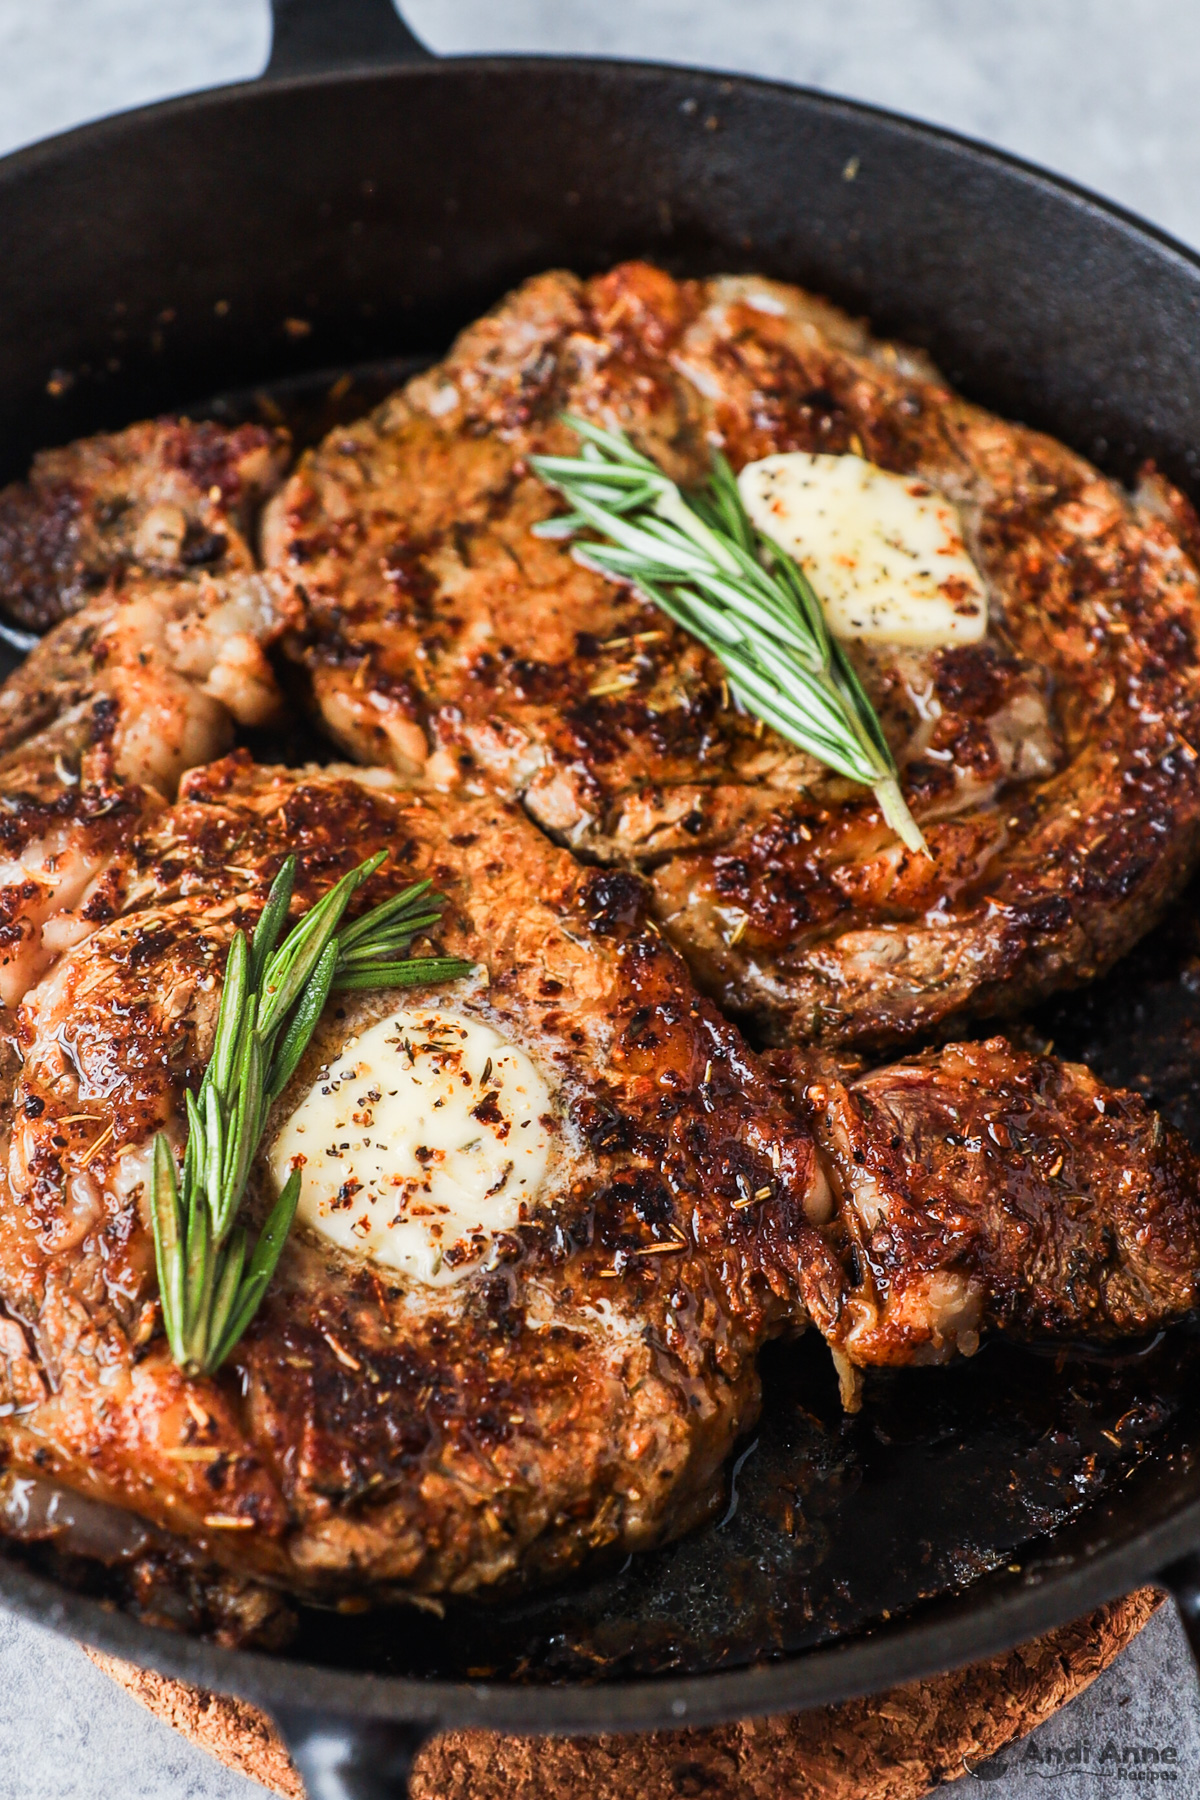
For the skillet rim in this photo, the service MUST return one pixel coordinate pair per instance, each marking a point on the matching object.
(92, 132)
(907, 1648)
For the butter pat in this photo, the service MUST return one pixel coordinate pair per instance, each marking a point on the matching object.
(426, 1136)
(884, 553)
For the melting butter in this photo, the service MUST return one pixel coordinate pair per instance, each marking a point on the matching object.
(885, 553)
(427, 1135)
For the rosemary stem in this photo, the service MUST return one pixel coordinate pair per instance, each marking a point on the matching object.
(895, 811)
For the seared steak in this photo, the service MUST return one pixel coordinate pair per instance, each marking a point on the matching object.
(580, 1387)
(581, 1390)
(96, 727)
(168, 496)
(158, 668)
(982, 1188)
(1053, 767)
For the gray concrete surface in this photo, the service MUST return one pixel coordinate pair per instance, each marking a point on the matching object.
(1103, 90)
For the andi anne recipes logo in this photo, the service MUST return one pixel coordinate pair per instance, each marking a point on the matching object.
(1101, 1761)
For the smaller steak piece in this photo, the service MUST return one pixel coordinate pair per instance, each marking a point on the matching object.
(96, 728)
(981, 1188)
(166, 496)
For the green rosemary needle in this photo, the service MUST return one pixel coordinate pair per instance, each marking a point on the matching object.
(273, 996)
(700, 558)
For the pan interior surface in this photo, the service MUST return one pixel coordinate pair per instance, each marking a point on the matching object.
(830, 1525)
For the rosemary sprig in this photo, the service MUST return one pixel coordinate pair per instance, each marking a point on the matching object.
(273, 996)
(701, 559)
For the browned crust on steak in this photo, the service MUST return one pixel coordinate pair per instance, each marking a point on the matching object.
(440, 634)
(158, 668)
(170, 496)
(982, 1188)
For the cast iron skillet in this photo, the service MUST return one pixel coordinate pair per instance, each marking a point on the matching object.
(364, 201)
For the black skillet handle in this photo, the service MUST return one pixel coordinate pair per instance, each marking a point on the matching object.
(1182, 1580)
(315, 37)
(350, 1759)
